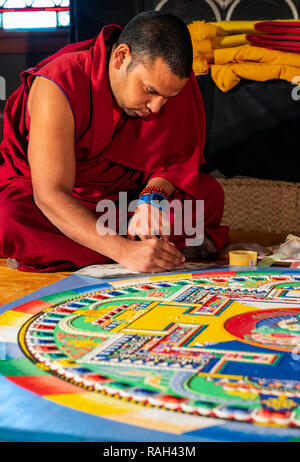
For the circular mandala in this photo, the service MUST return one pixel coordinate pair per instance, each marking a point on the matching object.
(269, 328)
(178, 343)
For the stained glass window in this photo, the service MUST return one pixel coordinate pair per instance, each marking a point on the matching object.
(34, 14)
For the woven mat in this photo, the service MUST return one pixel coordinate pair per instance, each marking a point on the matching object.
(261, 205)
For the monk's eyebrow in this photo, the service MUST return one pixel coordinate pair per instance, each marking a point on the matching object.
(157, 93)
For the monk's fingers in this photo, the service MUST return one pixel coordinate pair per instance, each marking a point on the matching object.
(138, 228)
(153, 222)
(143, 232)
(167, 264)
(148, 224)
(160, 225)
(160, 269)
(142, 225)
(147, 234)
(161, 264)
(165, 239)
(132, 225)
(172, 259)
(144, 236)
(164, 227)
(172, 251)
(156, 256)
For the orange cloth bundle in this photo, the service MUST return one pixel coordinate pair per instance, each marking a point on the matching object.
(253, 63)
(223, 49)
(207, 37)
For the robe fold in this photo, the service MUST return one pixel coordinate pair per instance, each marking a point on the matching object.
(288, 43)
(113, 153)
(278, 27)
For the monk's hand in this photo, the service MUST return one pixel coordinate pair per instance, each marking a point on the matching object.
(150, 256)
(149, 222)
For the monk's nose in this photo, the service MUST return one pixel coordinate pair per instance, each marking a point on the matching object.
(156, 104)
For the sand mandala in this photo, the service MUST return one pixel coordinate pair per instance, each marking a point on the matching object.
(216, 345)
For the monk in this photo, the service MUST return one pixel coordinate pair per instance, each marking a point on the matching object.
(118, 113)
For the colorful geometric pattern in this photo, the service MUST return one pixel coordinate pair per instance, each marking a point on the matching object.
(173, 353)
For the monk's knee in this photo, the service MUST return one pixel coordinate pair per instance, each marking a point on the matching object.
(211, 190)
(212, 194)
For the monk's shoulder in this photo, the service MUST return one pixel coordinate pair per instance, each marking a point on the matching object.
(43, 89)
(69, 68)
(65, 78)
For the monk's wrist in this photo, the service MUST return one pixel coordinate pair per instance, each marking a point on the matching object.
(125, 249)
(158, 200)
(112, 246)
(153, 189)
(161, 183)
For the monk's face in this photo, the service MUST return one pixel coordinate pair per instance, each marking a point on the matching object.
(144, 89)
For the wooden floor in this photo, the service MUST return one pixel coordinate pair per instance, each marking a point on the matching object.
(15, 284)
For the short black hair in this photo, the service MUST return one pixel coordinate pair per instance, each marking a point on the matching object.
(152, 35)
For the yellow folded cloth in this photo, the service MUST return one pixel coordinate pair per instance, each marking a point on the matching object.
(201, 64)
(253, 63)
(229, 41)
(253, 54)
(207, 37)
(222, 47)
(235, 27)
(201, 30)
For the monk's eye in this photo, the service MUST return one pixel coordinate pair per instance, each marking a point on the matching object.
(150, 91)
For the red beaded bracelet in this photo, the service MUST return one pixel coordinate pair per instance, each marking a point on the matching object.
(151, 189)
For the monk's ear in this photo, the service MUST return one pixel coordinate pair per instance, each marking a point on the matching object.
(121, 55)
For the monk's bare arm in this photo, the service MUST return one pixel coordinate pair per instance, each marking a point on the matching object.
(51, 154)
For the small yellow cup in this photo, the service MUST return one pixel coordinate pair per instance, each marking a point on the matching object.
(242, 258)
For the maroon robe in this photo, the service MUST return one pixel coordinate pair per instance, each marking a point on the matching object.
(113, 153)
(289, 43)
